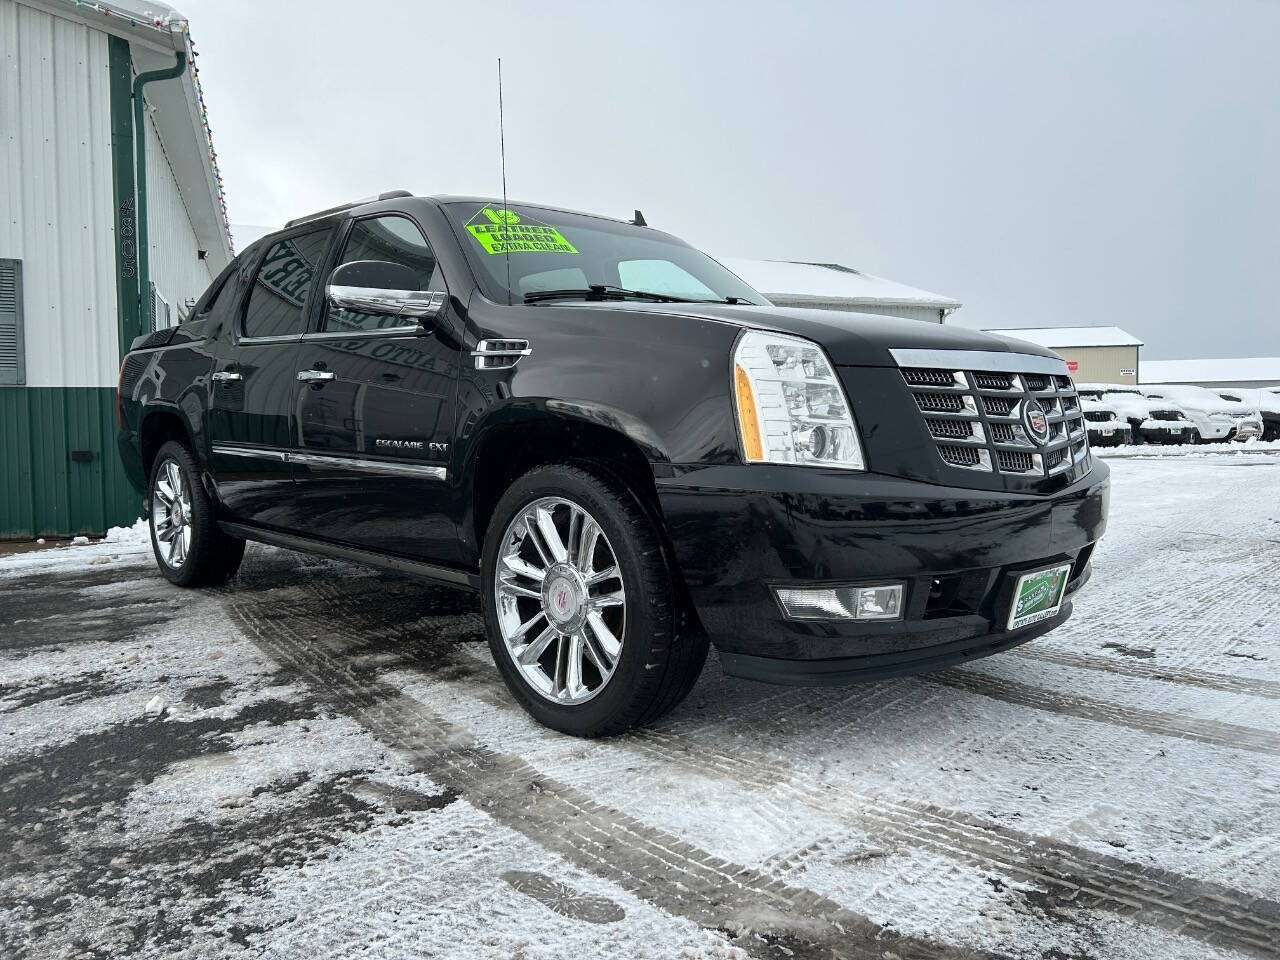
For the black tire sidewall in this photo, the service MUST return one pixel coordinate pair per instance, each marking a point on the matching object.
(648, 630)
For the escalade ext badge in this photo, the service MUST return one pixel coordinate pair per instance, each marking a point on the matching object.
(596, 492)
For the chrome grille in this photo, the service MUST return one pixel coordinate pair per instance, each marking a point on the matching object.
(928, 378)
(978, 418)
(994, 381)
(1016, 461)
(998, 406)
(1165, 415)
(950, 429)
(940, 402)
(1097, 416)
(970, 458)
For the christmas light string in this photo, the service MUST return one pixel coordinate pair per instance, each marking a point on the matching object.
(165, 24)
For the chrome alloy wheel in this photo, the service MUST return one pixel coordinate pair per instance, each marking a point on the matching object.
(171, 514)
(560, 600)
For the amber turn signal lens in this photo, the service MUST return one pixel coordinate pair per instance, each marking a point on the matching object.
(752, 445)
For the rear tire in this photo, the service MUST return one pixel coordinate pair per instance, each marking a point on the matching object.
(189, 548)
(545, 598)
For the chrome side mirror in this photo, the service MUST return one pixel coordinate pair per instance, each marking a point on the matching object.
(383, 289)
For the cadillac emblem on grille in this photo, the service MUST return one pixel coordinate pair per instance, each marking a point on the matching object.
(1036, 422)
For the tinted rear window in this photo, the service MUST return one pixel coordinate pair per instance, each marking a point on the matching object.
(282, 287)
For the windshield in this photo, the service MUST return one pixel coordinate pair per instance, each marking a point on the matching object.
(550, 250)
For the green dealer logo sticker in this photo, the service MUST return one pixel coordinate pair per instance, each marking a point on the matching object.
(499, 230)
(1038, 596)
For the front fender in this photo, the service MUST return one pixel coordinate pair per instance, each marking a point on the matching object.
(661, 380)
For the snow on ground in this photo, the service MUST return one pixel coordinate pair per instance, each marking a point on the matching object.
(1248, 447)
(331, 767)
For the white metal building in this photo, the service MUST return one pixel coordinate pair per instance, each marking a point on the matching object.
(1241, 372)
(76, 285)
(831, 286)
(1093, 354)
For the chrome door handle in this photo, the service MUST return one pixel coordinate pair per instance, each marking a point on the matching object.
(308, 376)
(226, 376)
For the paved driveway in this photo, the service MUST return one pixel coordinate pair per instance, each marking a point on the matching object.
(320, 761)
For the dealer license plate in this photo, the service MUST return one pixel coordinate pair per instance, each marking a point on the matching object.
(1108, 431)
(1038, 596)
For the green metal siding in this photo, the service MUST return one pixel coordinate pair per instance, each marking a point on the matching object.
(43, 492)
(120, 75)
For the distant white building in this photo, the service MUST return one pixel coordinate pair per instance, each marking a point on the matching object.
(77, 283)
(1242, 372)
(831, 286)
(1093, 354)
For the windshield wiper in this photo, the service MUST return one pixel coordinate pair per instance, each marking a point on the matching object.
(601, 291)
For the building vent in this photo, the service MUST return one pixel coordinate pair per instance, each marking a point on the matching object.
(13, 366)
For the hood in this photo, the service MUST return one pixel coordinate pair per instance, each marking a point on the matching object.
(1194, 398)
(850, 339)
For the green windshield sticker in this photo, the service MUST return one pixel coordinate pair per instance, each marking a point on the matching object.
(499, 230)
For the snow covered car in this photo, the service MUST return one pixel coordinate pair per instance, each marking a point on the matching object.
(1103, 422)
(1267, 404)
(1148, 423)
(623, 448)
(1215, 418)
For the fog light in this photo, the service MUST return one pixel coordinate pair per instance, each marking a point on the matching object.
(842, 603)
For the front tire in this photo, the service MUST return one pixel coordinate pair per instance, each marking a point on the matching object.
(583, 616)
(189, 548)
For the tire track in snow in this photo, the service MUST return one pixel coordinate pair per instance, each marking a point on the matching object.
(1213, 732)
(671, 874)
(1073, 877)
(1143, 670)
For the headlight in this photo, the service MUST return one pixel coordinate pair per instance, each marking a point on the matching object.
(791, 408)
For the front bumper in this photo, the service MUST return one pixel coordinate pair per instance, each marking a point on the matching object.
(1247, 428)
(1111, 433)
(741, 531)
(1167, 431)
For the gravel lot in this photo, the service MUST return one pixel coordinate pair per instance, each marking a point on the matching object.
(321, 761)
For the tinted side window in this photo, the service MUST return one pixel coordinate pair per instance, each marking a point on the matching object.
(284, 281)
(204, 306)
(396, 240)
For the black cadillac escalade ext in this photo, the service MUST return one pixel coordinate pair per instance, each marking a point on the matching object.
(623, 447)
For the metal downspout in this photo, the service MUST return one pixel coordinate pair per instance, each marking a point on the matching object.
(140, 153)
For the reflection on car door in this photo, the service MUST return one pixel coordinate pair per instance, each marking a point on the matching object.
(376, 425)
(251, 427)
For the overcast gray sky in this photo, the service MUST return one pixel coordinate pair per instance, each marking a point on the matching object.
(1046, 164)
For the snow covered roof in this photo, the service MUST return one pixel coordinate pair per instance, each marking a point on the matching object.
(831, 281)
(1235, 370)
(1053, 337)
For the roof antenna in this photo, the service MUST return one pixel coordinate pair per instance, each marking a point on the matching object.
(639, 220)
(502, 152)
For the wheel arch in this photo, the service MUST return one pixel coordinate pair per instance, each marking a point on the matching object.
(526, 435)
(597, 438)
(159, 425)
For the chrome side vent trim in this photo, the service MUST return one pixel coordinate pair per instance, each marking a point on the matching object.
(500, 354)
